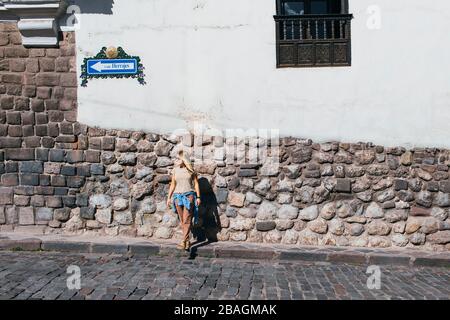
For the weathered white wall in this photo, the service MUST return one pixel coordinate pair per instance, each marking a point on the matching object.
(214, 61)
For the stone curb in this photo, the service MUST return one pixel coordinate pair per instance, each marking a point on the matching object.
(31, 244)
(307, 254)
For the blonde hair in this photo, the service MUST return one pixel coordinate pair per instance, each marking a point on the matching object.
(187, 162)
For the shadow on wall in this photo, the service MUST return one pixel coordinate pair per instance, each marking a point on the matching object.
(76, 7)
(94, 7)
(208, 213)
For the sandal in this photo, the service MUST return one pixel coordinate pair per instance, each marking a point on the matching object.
(182, 245)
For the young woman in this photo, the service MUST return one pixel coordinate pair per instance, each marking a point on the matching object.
(185, 190)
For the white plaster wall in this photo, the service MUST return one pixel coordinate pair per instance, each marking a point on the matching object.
(214, 61)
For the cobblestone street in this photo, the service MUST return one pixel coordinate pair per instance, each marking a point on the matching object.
(39, 275)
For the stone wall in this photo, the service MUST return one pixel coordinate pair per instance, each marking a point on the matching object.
(58, 175)
(38, 130)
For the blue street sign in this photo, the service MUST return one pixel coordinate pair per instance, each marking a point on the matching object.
(112, 66)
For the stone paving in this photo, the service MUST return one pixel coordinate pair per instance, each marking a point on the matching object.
(43, 275)
(223, 249)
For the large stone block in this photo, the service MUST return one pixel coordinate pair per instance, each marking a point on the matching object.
(21, 201)
(365, 157)
(42, 154)
(328, 211)
(108, 143)
(53, 202)
(343, 185)
(319, 226)
(58, 181)
(270, 168)
(120, 204)
(417, 238)
(396, 215)
(336, 227)
(127, 159)
(444, 186)
(301, 154)
(88, 213)
(75, 156)
(31, 167)
(6, 196)
(11, 215)
(104, 215)
(439, 213)
(419, 211)
(75, 182)
(247, 172)
(147, 159)
(26, 216)
(374, 211)
(92, 156)
(206, 167)
(429, 225)
(267, 211)
(68, 170)
(97, 169)
(288, 212)
(2, 215)
(424, 199)
(69, 201)
(100, 201)
(44, 214)
(9, 179)
(123, 217)
(84, 170)
(378, 227)
(309, 213)
(95, 143)
(10, 142)
(19, 154)
(163, 233)
(221, 195)
(126, 145)
(13, 118)
(242, 224)
(441, 237)
(236, 199)
(141, 189)
(56, 155)
(45, 79)
(68, 80)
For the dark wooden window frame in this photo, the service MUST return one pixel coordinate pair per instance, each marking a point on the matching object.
(312, 40)
(343, 5)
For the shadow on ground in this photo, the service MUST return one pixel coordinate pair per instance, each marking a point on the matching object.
(207, 232)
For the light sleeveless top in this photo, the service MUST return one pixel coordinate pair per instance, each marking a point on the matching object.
(183, 180)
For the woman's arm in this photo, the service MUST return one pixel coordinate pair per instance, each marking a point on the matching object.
(197, 189)
(171, 189)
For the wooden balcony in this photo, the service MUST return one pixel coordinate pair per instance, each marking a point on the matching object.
(313, 40)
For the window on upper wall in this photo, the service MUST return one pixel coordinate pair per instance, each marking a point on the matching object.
(313, 33)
